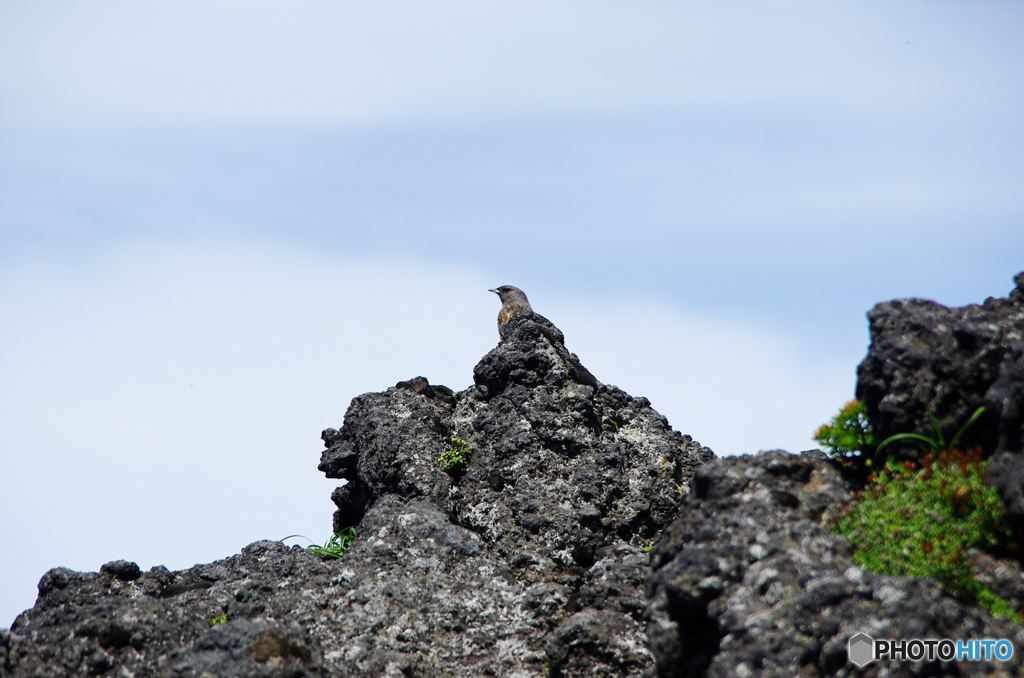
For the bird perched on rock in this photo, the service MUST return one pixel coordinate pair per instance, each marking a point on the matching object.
(513, 300)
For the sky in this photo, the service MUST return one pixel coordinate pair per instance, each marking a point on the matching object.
(221, 221)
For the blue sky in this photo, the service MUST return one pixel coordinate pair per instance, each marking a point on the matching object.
(219, 222)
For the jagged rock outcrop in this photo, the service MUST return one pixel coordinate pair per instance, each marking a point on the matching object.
(158, 623)
(750, 581)
(925, 357)
(527, 562)
(559, 468)
(568, 480)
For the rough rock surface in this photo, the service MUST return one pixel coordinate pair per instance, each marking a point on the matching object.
(568, 479)
(750, 582)
(949, 361)
(559, 468)
(122, 622)
(925, 358)
(529, 562)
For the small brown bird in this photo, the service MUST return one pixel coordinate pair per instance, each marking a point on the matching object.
(513, 300)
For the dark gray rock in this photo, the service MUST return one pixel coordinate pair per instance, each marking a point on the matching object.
(949, 361)
(529, 561)
(247, 648)
(567, 480)
(122, 569)
(1006, 474)
(925, 358)
(159, 623)
(749, 581)
(390, 444)
(597, 643)
(417, 595)
(1003, 576)
(559, 468)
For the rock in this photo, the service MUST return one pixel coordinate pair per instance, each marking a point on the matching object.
(749, 581)
(389, 444)
(568, 478)
(1006, 475)
(529, 561)
(925, 358)
(597, 643)
(247, 648)
(559, 468)
(122, 569)
(159, 623)
(1004, 577)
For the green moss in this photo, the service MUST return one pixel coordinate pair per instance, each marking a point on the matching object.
(919, 520)
(999, 607)
(457, 457)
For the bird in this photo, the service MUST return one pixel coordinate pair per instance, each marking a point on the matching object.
(513, 300)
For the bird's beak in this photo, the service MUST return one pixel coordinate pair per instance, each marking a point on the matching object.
(495, 291)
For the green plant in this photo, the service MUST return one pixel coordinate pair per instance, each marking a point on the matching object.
(848, 434)
(920, 519)
(335, 546)
(939, 441)
(457, 457)
(219, 620)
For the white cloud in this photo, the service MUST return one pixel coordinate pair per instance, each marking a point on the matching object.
(453, 59)
(163, 405)
(735, 387)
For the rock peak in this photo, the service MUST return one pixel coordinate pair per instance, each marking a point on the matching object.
(532, 352)
(567, 476)
(529, 557)
(537, 421)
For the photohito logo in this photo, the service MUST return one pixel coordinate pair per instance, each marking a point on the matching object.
(863, 649)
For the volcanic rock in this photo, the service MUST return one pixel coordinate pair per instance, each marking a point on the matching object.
(530, 559)
(927, 358)
(750, 581)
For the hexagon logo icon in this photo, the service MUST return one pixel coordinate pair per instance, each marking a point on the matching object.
(861, 649)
